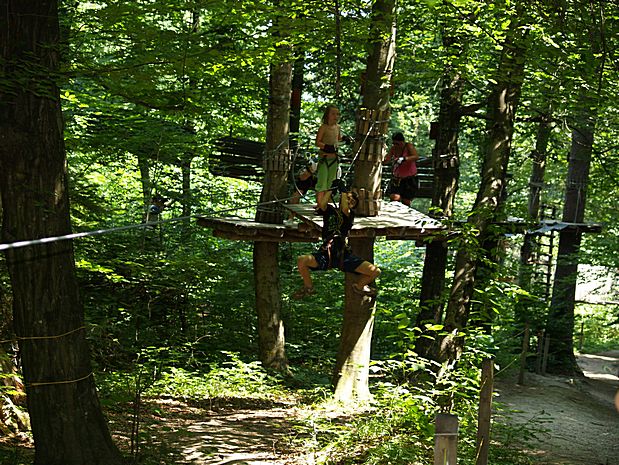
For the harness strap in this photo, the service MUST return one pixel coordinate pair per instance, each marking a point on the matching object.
(328, 245)
(329, 161)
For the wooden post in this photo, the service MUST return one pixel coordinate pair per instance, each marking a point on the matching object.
(545, 353)
(485, 411)
(446, 439)
(539, 353)
(523, 354)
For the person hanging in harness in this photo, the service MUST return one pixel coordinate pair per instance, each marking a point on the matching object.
(156, 207)
(404, 183)
(158, 204)
(335, 251)
(327, 140)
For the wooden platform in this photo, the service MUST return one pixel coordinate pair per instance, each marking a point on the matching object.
(395, 222)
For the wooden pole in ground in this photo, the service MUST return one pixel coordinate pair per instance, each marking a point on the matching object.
(446, 439)
(485, 411)
(539, 353)
(545, 353)
(523, 354)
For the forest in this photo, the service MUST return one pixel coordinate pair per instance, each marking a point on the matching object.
(148, 154)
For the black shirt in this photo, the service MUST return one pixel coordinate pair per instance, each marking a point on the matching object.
(335, 223)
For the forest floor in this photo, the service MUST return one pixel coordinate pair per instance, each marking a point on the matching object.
(575, 423)
(576, 419)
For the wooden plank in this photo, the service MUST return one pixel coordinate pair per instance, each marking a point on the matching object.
(485, 411)
(395, 221)
(445, 439)
(246, 229)
(392, 215)
(258, 238)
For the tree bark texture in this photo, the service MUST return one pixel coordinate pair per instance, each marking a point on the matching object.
(268, 306)
(502, 105)
(352, 367)
(560, 325)
(446, 163)
(67, 424)
(375, 99)
(277, 161)
(351, 376)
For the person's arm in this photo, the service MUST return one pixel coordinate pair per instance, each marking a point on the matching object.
(389, 156)
(344, 204)
(321, 132)
(411, 151)
(341, 137)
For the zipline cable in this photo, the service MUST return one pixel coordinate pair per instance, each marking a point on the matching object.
(51, 239)
(48, 240)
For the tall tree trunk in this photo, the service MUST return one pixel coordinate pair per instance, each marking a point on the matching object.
(446, 163)
(352, 367)
(266, 264)
(295, 101)
(560, 325)
(67, 424)
(501, 112)
(189, 128)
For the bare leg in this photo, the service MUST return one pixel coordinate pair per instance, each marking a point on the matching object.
(303, 264)
(369, 273)
(323, 198)
(296, 197)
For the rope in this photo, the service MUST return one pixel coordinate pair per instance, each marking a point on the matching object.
(51, 239)
(34, 338)
(367, 134)
(293, 174)
(344, 175)
(68, 381)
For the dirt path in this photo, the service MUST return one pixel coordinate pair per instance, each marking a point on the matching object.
(243, 433)
(578, 417)
(577, 421)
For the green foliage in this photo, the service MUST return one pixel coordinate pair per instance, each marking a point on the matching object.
(398, 425)
(156, 376)
(596, 328)
(234, 378)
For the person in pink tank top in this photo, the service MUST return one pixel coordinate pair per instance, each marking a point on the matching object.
(404, 183)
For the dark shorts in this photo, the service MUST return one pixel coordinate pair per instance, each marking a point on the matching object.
(304, 186)
(404, 187)
(331, 257)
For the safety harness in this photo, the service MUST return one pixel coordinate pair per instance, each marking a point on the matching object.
(336, 242)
